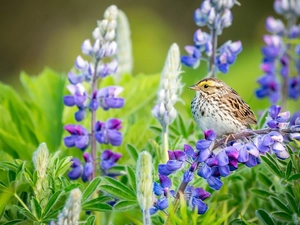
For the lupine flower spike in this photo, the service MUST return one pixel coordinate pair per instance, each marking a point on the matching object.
(216, 15)
(168, 94)
(144, 184)
(103, 63)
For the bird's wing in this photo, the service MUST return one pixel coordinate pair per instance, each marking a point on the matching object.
(241, 110)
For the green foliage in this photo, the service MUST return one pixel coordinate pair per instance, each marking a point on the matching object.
(33, 117)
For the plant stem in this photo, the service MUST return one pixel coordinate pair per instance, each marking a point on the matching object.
(165, 141)
(20, 200)
(93, 121)
(146, 217)
(212, 61)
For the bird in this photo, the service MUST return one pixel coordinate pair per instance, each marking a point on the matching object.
(218, 107)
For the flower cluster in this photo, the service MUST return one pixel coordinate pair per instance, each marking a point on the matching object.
(212, 164)
(216, 15)
(103, 63)
(279, 55)
(170, 88)
(84, 170)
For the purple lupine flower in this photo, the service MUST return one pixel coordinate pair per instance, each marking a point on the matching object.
(227, 56)
(272, 142)
(189, 174)
(109, 159)
(163, 188)
(204, 145)
(248, 154)
(193, 59)
(294, 87)
(160, 204)
(198, 195)
(294, 119)
(88, 168)
(189, 151)
(269, 87)
(76, 172)
(108, 132)
(274, 26)
(79, 137)
(78, 96)
(85, 171)
(176, 160)
(108, 97)
(85, 72)
(278, 120)
(273, 46)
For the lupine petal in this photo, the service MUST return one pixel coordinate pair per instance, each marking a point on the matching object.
(188, 176)
(75, 173)
(82, 142)
(70, 141)
(106, 154)
(162, 169)
(214, 182)
(232, 152)
(274, 111)
(210, 135)
(69, 100)
(179, 155)
(203, 144)
(203, 155)
(200, 193)
(153, 210)
(80, 115)
(272, 123)
(162, 203)
(205, 171)
(200, 205)
(157, 189)
(222, 158)
(282, 155)
(165, 181)
(243, 155)
(100, 138)
(252, 161)
(114, 137)
(113, 124)
(173, 165)
(224, 170)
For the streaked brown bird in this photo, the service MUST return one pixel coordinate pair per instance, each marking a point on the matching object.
(218, 107)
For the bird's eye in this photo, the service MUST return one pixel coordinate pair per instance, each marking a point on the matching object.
(205, 86)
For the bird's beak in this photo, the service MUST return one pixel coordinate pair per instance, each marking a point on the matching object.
(193, 87)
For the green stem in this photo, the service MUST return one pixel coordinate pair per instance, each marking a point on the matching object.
(93, 121)
(20, 200)
(146, 217)
(212, 61)
(165, 141)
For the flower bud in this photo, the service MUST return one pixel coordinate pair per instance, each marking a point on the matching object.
(40, 160)
(71, 212)
(144, 181)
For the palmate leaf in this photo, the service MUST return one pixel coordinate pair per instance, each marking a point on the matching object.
(27, 121)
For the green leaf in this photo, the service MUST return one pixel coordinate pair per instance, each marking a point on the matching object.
(289, 169)
(261, 193)
(183, 130)
(45, 93)
(63, 166)
(12, 222)
(273, 167)
(264, 217)
(100, 207)
(292, 202)
(237, 222)
(95, 201)
(119, 185)
(133, 152)
(8, 166)
(90, 220)
(131, 177)
(26, 213)
(264, 180)
(117, 192)
(37, 208)
(93, 185)
(125, 205)
(294, 177)
(280, 205)
(51, 203)
(71, 187)
(283, 216)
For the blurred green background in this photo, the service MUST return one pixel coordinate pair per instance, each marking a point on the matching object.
(35, 34)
